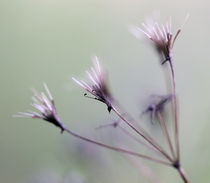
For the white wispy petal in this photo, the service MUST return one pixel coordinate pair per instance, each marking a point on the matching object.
(95, 76)
(160, 35)
(95, 84)
(45, 107)
(41, 103)
(48, 91)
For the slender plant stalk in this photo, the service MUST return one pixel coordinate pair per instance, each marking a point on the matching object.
(141, 134)
(165, 130)
(183, 175)
(126, 132)
(175, 110)
(115, 148)
(140, 142)
(131, 120)
(180, 169)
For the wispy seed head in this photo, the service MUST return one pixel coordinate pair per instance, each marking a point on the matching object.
(96, 84)
(160, 35)
(45, 106)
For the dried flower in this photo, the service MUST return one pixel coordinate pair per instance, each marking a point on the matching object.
(157, 105)
(46, 107)
(97, 85)
(161, 36)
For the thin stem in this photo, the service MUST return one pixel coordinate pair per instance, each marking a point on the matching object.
(141, 142)
(178, 32)
(128, 116)
(175, 109)
(141, 134)
(164, 128)
(115, 148)
(126, 132)
(183, 175)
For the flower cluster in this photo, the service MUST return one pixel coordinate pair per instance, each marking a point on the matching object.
(96, 85)
(162, 39)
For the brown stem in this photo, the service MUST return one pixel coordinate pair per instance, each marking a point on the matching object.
(141, 142)
(165, 130)
(126, 132)
(115, 148)
(131, 120)
(175, 110)
(141, 134)
(183, 175)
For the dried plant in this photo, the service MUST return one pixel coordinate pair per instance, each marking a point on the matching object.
(96, 85)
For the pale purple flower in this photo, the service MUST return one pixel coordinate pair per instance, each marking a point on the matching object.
(45, 106)
(160, 35)
(96, 85)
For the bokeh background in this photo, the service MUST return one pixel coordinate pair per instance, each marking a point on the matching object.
(52, 40)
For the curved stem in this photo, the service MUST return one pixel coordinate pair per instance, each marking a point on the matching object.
(115, 148)
(141, 134)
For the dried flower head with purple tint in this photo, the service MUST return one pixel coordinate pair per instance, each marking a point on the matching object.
(46, 107)
(96, 85)
(161, 36)
(157, 105)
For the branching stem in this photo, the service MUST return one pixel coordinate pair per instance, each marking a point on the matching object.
(115, 148)
(141, 134)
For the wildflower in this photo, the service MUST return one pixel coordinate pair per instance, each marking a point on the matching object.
(97, 85)
(157, 105)
(161, 36)
(46, 107)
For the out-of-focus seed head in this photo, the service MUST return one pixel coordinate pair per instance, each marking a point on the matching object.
(157, 104)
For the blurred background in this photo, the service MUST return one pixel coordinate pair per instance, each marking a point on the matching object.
(53, 40)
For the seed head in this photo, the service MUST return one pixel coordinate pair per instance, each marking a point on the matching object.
(96, 85)
(161, 37)
(46, 108)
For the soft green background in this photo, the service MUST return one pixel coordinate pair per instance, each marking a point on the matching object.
(51, 40)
